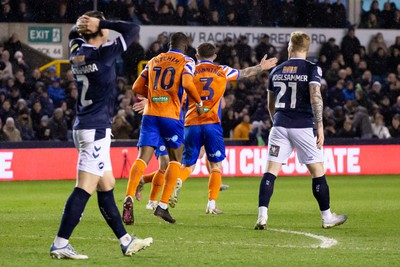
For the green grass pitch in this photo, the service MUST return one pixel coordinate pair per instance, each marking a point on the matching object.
(30, 213)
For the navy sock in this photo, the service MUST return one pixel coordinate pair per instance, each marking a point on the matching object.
(266, 189)
(321, 192)
(110, 212)
(73, 212)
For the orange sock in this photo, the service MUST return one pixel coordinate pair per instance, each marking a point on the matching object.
(214, 184)
(135, 173)
(184, 174)
(147, 178)
(171, 176)
(156, 184)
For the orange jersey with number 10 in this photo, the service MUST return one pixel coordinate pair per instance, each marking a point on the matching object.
(164, 80)
(210, 81)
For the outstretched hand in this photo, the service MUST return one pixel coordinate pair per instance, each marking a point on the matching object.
(87, 25)
(267, 64)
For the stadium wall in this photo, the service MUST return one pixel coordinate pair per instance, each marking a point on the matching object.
(57, 161)
(52, 39)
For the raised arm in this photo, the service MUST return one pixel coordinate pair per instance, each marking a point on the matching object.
(265, 64)
(317, 108)
(128, 30)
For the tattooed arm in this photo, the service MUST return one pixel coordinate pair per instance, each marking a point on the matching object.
(265, 64)
(317, 108)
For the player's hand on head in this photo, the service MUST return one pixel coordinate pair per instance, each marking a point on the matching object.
(86, 24)
(267, 64)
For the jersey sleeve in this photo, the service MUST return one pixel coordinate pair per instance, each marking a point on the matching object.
(140, 85)
(189, 66)
(230, 73)
(115, 47)
(75, 41)
(316, 74)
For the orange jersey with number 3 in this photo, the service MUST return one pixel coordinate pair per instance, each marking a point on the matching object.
(164, 83)
(210, 81)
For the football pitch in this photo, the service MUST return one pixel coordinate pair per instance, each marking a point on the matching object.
(30, 213)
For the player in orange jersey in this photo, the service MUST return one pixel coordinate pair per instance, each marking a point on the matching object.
(210, 81)
(163, 82)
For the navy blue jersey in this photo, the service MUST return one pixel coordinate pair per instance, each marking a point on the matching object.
(94, 72)
(290, 83)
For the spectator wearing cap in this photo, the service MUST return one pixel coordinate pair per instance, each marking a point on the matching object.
(11, 131)
(43, 132)
(58, 126)
(56, 92)
(7, 14)
(376, 94)
(264, 47)
(394, 128)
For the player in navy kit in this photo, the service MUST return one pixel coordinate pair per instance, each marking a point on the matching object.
(295, 106)
(92, 59)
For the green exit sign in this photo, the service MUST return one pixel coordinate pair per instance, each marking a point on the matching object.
(44, 34)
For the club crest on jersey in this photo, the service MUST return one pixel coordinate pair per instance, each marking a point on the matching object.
(101, 165)
(274, 150)
(289, 69)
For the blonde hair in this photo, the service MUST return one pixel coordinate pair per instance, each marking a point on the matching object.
(300, 41)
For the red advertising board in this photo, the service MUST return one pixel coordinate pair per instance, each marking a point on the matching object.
(60, 163)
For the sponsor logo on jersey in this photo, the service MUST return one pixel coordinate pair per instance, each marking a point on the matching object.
(289, 69)
(160, 99)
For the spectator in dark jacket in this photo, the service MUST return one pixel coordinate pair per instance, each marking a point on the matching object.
(58, 126)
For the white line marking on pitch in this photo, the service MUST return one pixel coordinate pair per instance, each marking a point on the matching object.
(326, 242)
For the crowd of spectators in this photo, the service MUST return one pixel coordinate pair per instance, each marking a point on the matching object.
(280, 13)
(360, 88)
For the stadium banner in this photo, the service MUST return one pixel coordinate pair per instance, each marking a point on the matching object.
(60, 163)
(278, 37)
